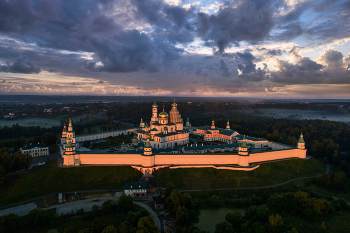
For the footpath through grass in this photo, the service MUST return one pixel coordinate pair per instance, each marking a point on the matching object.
(49, 178)
(267, 174)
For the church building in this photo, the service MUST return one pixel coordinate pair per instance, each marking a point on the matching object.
(164, 131)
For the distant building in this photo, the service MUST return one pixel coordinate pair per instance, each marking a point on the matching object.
(35, 150)
(136, 189)
(158, 202)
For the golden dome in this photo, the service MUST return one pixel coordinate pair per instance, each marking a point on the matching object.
(163, 115)
(174, 105)
(155, 105)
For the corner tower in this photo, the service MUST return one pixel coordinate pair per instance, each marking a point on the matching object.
(301, 142)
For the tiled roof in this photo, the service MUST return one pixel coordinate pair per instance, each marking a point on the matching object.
(41, 145)
(132, 186)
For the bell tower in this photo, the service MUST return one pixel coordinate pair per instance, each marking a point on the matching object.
(154, 112)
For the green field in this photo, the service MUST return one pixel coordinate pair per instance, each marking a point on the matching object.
(49, 179)
(266, 174)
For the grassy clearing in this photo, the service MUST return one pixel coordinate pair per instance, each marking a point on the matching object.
(338, 222)
(48, 179)
(266, 174)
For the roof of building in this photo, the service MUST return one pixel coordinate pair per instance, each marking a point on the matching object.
(41, 145)
(157, 200)
(301, 139)
(223, 146)
(194, 148)
(161, 135)
(227, 132)
(133, 186)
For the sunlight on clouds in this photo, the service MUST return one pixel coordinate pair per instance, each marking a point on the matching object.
(173, 2)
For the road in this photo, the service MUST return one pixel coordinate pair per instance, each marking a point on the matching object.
(154, 214)
(41, 159)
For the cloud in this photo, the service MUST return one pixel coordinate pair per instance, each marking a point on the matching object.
(249, 21)
(224, 69)
(330, 69)
(21, 65)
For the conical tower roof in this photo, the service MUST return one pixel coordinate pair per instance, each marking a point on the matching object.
(301, 139)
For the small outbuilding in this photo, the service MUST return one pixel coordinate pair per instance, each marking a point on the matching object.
(158, 202)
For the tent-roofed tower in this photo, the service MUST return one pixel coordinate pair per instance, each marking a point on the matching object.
(301, 142)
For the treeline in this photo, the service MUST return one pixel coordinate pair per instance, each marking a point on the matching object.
(274, 216)
(143, 110)
(121, 217)
(17, 131)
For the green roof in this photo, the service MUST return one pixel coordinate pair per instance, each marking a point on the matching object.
(301, 139)
(148, 144)
(244, 144)
(132, 186)
(41, 145)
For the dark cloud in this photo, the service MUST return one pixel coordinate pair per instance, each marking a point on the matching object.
(307, 71)
(249, 20)
(132, 51)
(100, 82)
(21, 65)
(17, 16)
(224, 69)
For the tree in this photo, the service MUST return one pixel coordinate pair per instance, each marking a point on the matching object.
(174, 198)
(49, 138)
(275, 221)
(223, 227)
(97, 225)
(146, 225)
(86, 144)
(5, 158)
(182, 216)
(169, 188)
(110, 229)
(235, 219)
(22, 161)
(125, 203)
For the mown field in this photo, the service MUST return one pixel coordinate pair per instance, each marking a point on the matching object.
(266, 174)
(49, 178)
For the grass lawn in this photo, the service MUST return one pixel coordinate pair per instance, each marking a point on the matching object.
(338, 222)
(48, 179)
(266, 174)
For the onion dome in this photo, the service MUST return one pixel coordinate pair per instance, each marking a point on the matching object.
(163, 114)
(174, 105)
(146, 126)
(122, 145)
(147, 134)
(154, 105)
(134, 139)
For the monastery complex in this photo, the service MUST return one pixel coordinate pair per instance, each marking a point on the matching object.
(163, 143)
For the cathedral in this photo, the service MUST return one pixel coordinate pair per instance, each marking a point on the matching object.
(164, 131)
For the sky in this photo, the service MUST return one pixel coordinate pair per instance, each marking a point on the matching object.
(241, 48)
